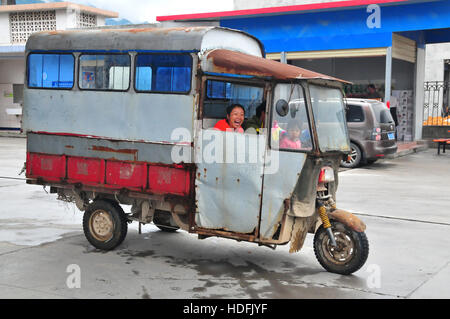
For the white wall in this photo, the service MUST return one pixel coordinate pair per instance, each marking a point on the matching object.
(420, 76)
(65, 19)
(4, 29)
(12, 71)
(434, 61)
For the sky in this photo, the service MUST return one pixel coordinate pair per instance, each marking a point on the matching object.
(138, 11)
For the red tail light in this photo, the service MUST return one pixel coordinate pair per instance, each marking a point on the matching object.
(326, 175)
(376, 135)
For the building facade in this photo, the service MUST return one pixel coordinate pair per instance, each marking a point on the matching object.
(365, 42)
(17, 23)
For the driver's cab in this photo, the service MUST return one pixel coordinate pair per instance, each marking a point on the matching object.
(243, 180)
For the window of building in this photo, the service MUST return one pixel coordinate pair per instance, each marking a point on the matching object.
(104, 72)
(355, 113)
(23, 24)
(50, 71)
(85, 20)
(163, 73)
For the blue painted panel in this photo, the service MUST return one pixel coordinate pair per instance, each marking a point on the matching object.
(341, 29)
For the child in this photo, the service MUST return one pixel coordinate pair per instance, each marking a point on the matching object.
(292, 138)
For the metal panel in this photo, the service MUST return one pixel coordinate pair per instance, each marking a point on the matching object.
(115, 115)
(230, 62)
(86, 170)
(50, 167)
(146, 39)
(342, 29)
(102, 148)
(278, 186)
(126, 174)
(228, 195)
(170, 180)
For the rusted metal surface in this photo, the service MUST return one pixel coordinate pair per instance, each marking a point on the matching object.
(279, 185)
(128, 116)
(155, 39)
(103, 148)
(227, 234)
(231, 62)
(348, 219)
(133, 152)
(227, 192)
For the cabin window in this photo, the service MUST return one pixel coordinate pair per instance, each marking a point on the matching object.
(290, 130)
(50, 71)
(221, 94)
(165, 73)
(109, 72)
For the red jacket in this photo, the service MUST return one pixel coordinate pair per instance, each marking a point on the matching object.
(223, 125)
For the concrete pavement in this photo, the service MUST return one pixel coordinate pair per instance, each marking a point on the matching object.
(403, 201)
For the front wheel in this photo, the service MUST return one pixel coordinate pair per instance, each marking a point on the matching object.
(348, 256)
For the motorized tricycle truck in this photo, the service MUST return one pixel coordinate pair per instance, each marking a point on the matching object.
(125, 118)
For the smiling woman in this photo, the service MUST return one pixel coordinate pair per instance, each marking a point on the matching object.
(234, 120)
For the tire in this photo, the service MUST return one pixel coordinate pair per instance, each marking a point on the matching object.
(105, 224)
(354, 158)
(352, 246)
(163, 220)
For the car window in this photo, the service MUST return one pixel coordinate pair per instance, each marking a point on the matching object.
(355, 113)
(382, 113)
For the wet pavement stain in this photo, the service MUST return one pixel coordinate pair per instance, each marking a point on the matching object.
(245, 278)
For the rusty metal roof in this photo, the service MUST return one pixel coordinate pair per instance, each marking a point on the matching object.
(232, 62)
(142, 38)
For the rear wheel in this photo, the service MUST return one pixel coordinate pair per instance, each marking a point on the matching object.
(105, 224)
(354, 158)
(348, 256)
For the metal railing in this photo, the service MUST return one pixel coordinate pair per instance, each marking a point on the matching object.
(436, 103)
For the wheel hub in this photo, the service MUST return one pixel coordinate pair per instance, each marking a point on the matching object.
(343, 252)
(101, 225)
(351, 158)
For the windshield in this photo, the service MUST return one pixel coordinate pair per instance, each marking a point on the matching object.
(329, 116)
(290, 130)
(382, 113)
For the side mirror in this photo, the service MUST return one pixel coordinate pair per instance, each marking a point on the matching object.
(282, 107)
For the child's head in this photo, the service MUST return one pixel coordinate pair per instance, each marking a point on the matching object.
(293, 130)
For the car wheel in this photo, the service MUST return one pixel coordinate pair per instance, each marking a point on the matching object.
(354, 158)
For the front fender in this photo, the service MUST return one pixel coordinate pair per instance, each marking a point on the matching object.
(348, 219)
